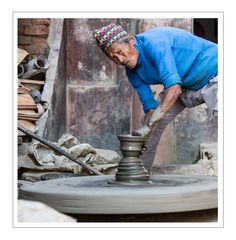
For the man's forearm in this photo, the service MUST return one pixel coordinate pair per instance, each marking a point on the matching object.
(169, 98)
(153, 116)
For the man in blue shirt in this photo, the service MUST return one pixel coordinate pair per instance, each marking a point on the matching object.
(186, 66)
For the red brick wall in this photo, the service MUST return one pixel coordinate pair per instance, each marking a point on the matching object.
(32, 35)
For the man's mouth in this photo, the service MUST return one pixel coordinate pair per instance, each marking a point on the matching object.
(127, 63)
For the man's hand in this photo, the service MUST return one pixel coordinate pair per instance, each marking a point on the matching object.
(151, 118)
(142, 131)
(156, 116)
(148, 115)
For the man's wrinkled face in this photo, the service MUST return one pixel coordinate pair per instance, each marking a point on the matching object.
(124, 53)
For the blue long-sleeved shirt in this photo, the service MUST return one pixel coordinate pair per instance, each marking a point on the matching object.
(171, 56)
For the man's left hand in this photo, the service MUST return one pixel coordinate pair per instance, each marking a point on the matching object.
(151, 118)
(156, 116)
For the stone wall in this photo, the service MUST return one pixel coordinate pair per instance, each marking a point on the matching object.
(191, 128)
(99, 98)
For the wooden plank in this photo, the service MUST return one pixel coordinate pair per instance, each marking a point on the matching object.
(37, 82)
(32, 84)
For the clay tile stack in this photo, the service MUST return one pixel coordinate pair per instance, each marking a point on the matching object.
(31, 76)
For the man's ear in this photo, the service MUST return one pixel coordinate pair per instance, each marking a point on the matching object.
(131, 39)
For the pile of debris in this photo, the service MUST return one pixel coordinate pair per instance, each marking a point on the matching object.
(31, 78)
(37, 162)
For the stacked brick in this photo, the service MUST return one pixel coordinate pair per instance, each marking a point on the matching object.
(32, 35)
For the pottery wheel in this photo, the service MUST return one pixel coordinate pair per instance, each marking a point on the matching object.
(94, 195)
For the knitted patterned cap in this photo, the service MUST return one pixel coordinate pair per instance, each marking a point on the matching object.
(107, 35)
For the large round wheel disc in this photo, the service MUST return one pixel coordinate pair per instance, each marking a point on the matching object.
(95, 195)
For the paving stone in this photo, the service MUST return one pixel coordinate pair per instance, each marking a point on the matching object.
(33, 211)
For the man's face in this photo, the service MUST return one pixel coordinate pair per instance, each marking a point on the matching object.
(124, 53)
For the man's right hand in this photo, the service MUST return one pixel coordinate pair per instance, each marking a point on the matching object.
(142, 131)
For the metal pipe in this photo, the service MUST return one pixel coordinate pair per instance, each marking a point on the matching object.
(59, 150)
